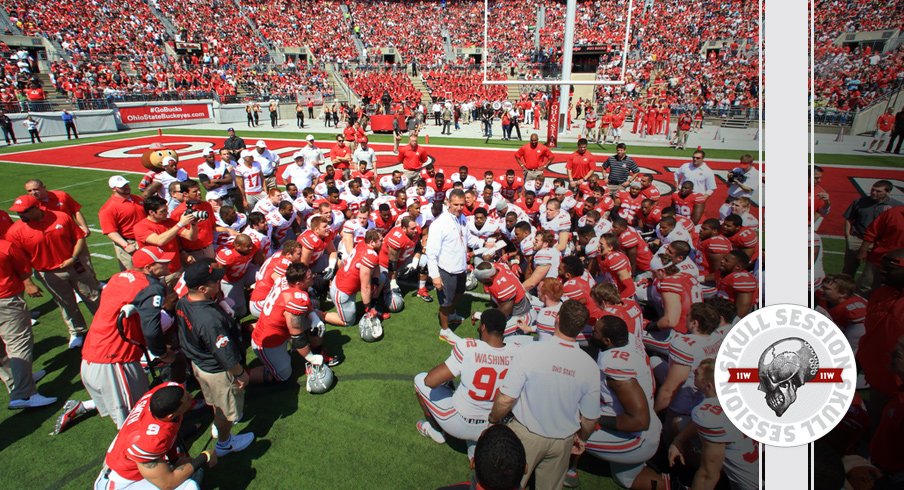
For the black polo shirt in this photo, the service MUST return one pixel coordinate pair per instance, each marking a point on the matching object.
(209, 337)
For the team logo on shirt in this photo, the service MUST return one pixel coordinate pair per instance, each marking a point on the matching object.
(222, 341)
(785, 375)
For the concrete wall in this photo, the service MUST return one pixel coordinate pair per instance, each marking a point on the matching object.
(865, 120)
(50, 123)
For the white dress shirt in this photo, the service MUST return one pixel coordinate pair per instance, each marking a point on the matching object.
(268, 160)
(447, 245)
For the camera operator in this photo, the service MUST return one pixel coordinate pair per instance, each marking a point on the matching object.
(744, 181)
(205, 221)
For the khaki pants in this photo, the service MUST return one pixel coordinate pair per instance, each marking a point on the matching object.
(412, 176)
(851, 250)
(16, 334)
(124, 258)
(531, 175)
(62, 285)
(221, 392)
(547, 457)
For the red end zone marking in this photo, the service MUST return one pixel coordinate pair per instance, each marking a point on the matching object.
(843, 185)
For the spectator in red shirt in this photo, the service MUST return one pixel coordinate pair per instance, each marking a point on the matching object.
(54, 245)
(884, 234)
(118, 217)
(884, 125)
(200, 246)
(581, 164)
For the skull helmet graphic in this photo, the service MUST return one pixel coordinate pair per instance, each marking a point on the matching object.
(784, 367)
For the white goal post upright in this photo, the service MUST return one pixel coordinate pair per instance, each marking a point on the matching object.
(567, 53)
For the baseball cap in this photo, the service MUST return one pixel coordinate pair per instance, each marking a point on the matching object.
(117, 181)
(561, 190)
(363, 139)
(201, 272)
(209, 151)
(24, 203)
(309, 137)
(166, 161)
(412, 200)
(503, 204)
(261, 144)
(297, 155)
(146, 256)
(636, 185)
(230, 129)
(247, 153)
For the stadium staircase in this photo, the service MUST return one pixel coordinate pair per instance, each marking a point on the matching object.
(735, 123)
(276, 56)
(343, 92)
(419, 84)
(447, 46)
(167, 24)
(514, 91)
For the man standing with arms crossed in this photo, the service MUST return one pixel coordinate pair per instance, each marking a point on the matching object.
(412, 158)
(447, 261)
(533, 158)
(621, 169)
(553, 390)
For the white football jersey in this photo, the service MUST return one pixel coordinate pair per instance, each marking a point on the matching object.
(546, 320)
(481, 369)
(490, 228)
(221, 239)
(261, 239)
(690, 350)
(551, 257)
(251, 177)
(741, 463)
(280, 225)
(621, 364)
(561, 222)
(482, 183)
(388, 187)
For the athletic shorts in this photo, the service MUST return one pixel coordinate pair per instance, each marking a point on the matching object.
(626, 453)
(345, 304)
(220, 391)
(439, 402)
(276, 360)
(112, 481)
(453, 285)
(880, 135)
(115, 388)
(658, 340)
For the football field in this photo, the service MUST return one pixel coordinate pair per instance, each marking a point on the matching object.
(362, 433)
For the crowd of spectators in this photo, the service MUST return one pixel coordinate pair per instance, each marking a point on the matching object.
(221, 25)
(286, 82)
(91, 30)
(318, 24)
(464, 84)
(372, 84)
(849, 78)
(414, 28)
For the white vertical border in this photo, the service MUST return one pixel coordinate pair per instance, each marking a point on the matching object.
(787, 158)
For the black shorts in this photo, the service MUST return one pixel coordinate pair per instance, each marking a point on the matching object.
(453, 285)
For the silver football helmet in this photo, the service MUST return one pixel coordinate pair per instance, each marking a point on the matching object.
(320, 379)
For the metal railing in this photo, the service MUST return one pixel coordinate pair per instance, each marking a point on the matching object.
(54, 105)
(832, 117)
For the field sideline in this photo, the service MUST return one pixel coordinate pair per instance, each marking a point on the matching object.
(361, 431)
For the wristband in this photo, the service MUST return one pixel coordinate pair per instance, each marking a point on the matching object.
(200, 461)
(608, 423)
(180, 225)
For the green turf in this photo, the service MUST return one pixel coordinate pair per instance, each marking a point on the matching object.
(359, 435)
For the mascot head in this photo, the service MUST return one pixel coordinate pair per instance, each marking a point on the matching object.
(152, 158)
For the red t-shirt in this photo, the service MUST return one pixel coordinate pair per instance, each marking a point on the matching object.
(581, 165)
(5, 223)
(236, 264)
(534, 158)
(714, 245)
(630, 239)
(505, 286)
(143, 438)
(883, 328)
(412, 158)
(652, 218)
(851, 311)
(508, 191)
(271, 329)
(47, 242)
(60, 201)
(311, 241)
(396, 239)
(206, 228)
(578, 288)
(746, 238)
(737, 282)
(348, 278)
(886, 232)
(618, 120)
(119, 215)
(886, 122)
(103, 344)
(337, 152)
(651, 192)
(13, 264)
(145, 228)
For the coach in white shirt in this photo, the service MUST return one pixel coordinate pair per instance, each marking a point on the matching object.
(364, 153)
(553, 391)
(447, 260)
(301, 173)
(699, 173)
(268, 161)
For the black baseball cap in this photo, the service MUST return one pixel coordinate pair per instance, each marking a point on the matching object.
(202, 272)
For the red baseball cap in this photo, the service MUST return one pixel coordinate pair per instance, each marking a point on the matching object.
(24, 203)
(146, 256)
(363, 139)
